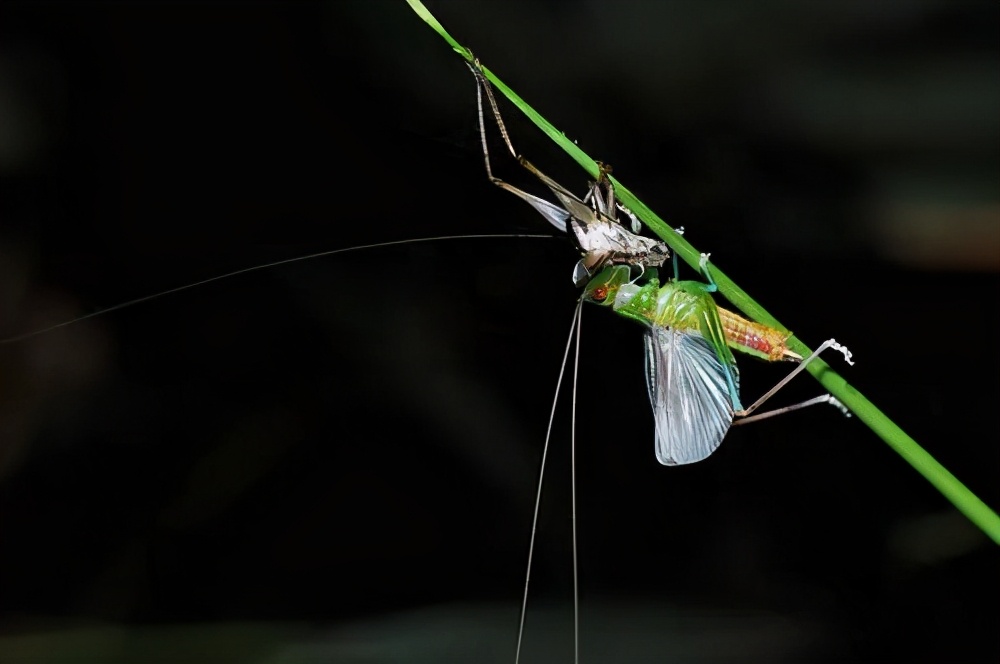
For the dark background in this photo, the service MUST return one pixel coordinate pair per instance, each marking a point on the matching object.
(335, 460)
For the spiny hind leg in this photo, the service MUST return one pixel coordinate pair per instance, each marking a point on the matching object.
(823, 398)
(483, 87)
(555, 215)
(744, 414)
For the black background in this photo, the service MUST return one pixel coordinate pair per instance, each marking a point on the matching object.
(335, 460)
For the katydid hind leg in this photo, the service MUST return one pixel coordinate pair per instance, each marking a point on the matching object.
(483, 86)
(555, 215)
(815, 401)
(745, 414)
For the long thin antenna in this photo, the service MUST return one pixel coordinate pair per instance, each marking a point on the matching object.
(541, 477)
(377, 245)
(572, 447)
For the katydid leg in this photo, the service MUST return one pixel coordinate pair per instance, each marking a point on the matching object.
(829, 343)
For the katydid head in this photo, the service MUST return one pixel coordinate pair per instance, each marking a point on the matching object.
(603, 287)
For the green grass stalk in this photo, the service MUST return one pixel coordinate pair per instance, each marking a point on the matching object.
(960, 496)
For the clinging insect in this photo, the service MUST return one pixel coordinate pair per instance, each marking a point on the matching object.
(691, 374)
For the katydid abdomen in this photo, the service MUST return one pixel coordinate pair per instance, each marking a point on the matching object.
(756, 339)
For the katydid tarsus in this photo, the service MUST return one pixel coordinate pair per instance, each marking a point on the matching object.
(614, 255)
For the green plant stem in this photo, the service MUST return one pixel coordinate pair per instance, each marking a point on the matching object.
(956, 492)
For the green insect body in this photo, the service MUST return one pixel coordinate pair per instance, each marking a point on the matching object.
(683, 306)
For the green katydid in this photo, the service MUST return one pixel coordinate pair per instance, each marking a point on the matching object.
(685, 308)
(691, 374)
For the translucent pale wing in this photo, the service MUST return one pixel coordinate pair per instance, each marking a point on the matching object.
(688, 389)
(574, 206)
(554, 214)
(596, 234)
(595, 227)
